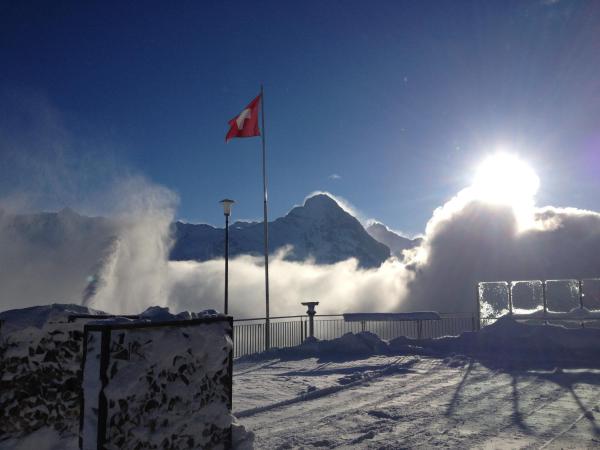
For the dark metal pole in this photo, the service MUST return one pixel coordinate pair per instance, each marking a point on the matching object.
(227, 211)
(226, 263)
(544, 301)
(478, 310)
(580, 285)
(510, 304)
(266, 223)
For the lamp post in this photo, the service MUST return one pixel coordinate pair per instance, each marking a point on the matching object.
(226, 203)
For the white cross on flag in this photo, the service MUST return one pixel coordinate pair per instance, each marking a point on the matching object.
(245, 124)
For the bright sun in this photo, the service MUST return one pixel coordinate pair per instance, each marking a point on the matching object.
(504, 178)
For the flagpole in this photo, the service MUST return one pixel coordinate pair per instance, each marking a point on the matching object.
(266, 223)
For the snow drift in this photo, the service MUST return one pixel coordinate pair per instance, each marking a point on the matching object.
(506, 341)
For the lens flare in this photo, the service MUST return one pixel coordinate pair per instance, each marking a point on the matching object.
(503, 178)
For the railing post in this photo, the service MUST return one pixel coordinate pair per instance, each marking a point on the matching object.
(301, 330)
(311, 317)
(478, 310)
(545, 302)
(580, 284)
(510, 304)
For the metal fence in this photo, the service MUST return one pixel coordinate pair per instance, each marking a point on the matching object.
(289, 331)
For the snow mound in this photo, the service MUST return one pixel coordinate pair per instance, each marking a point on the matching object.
(364, 343)
(159, 313)
(55, 313)
(350, 344)
(39, 316)
(509, 340)
(504, 341)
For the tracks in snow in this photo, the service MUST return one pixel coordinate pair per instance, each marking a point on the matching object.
(392, 369)
(404, 405)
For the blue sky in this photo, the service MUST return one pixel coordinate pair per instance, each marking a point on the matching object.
(401, 99)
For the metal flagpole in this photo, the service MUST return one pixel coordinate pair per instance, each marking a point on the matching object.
(266, 223)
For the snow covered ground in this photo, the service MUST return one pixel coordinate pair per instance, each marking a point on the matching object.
(411, 401)
(510, 385)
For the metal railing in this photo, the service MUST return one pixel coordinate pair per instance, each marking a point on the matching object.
(290, 331)
(285, 331)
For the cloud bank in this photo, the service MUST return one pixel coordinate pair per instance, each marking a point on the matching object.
(468, 240)
(340, 287)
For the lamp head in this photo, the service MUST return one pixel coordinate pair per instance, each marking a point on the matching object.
(227, 206)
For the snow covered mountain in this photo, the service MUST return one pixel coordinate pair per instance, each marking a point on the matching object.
(58, 256)
(319, 229)
(396, 243)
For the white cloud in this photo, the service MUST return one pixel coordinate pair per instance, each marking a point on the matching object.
(468, 240)
(341, 287)
(334, 176)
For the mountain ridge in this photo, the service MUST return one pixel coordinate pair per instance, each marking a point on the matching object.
(320, 229)
(394, 241)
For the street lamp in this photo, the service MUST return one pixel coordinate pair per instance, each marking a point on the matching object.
(226, 203)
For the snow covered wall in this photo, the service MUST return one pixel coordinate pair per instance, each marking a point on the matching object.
(158, 385)
(40, 360)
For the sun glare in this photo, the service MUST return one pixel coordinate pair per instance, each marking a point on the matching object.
(504, 178)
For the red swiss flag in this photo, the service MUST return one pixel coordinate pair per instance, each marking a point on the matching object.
(245, 124)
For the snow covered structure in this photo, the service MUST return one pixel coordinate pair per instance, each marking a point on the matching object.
(157, 384)
(567, 300)
(40, 361)
(135, 370)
